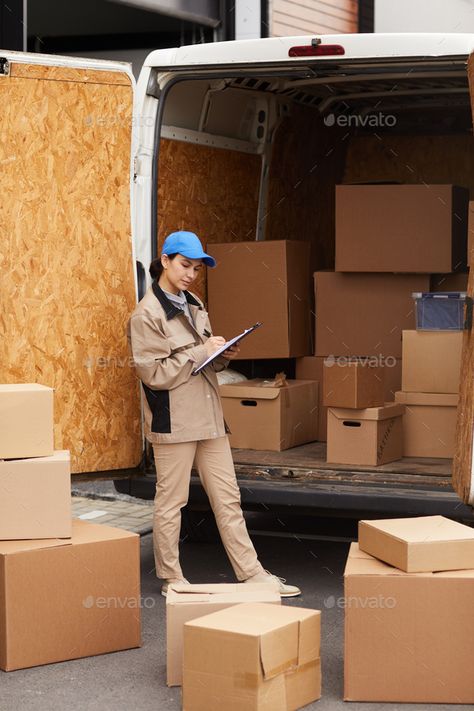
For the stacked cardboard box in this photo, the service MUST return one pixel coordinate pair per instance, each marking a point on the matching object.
(430, 390)
(57, 576)
(362, 429)
(409, 630)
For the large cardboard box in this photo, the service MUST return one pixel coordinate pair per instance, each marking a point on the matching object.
(401, 228)
(353, 383)
(419, 545)
(364, 314)
(409, 637)
(35, 499)
(431, 361)
(371, 436)
(262, 281)
(312, 368)
(270, 418)
(429, 424)
(257, 658)
(187, 602)
(69, 598)
(26, 421)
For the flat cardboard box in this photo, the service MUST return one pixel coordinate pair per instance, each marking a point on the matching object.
(257, 658)
(187, 602)
(425, 544)
(401, 228)
(270, 418)
(364, 314)
(431, 361)
(429, 424)
(409, 637)
(26, 421)
(312, 368)
(370, 437)
(69, 598)
(353, 383)
(262, 281)
(35, 499)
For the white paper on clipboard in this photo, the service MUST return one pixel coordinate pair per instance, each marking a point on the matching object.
(226, 345)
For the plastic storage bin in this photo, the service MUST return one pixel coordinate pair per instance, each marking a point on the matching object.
(440, 311)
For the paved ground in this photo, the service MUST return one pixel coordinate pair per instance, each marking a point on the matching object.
(137, 517)
(136, 678)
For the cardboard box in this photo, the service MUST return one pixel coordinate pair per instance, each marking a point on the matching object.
(419, 545)
(353, 383)
(187, 602)
(429, 424)
(401, 228)
(365, 437)
(409, 637)
(262, 281)
(270, 418)
(312, 368)
(260, 657)
(69, 598)
(431, 361)
(364, 314)
(470, 234)
(26, 421)
(35, 498)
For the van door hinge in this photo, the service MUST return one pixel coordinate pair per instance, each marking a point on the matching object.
(4, 66)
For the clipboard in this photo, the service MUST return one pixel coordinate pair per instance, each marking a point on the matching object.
(226, 345)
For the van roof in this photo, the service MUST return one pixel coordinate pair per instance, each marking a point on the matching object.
(357, 46)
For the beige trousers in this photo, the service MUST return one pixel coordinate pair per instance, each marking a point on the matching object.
(213, 461)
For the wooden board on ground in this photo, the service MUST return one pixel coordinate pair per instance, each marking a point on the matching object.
(67, 285)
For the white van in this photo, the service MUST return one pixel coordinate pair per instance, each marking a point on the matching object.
(222, 136)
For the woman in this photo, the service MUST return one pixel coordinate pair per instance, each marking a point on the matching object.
(170, 335)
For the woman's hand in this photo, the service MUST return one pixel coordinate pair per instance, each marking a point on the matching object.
(232, 352)
(213, 344)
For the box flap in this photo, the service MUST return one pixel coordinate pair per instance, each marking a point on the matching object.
(22, 546)
(441, 399)
(390, 409)
(222, 593)
(60, 455)
(423, 529)
(279, 649)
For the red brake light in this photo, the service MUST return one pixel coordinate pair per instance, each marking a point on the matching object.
(316, 50)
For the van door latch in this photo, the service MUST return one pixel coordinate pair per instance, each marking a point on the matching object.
(4, 66)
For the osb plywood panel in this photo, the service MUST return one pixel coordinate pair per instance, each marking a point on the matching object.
(462, 464)
(89, 76)
(307, 161)
(411, 159)
(65, 258)
(210, 191)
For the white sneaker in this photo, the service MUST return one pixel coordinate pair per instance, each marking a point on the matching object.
(280, 583)
(178, 581)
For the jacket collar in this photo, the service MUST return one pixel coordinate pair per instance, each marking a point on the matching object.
(169, 308)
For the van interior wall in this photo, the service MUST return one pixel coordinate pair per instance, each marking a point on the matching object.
(210, 191)
(417, 159)
(307, 161)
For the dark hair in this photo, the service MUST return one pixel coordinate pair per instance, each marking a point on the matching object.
(156, 267)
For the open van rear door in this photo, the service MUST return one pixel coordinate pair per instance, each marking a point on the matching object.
(67, 275)
(463, 465)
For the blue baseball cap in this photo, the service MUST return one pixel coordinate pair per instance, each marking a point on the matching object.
(187, 244)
